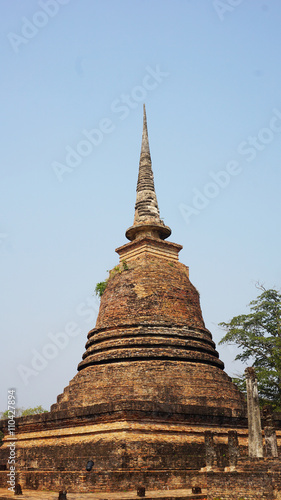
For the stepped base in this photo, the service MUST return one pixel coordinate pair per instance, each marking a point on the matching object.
(184, 494)
(253, 485)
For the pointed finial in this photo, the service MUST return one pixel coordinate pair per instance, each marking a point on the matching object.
(145, 178)
(147, 217)
(144, 143)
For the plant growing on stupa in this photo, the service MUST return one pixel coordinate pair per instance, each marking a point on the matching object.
(101, 286)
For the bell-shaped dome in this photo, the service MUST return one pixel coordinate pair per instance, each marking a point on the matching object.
(150, 310)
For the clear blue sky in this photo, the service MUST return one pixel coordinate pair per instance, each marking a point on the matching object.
(211, 80)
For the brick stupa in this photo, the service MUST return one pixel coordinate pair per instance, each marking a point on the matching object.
(150, 382)
(150, 343)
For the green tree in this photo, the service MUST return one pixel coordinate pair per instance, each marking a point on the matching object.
(33, 411)
(21, 412)
(258, 337)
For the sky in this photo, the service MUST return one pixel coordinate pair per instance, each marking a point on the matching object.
(74, 77)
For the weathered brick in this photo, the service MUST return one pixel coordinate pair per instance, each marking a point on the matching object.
(148, 390)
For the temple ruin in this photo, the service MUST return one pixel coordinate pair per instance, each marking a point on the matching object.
(150, 405)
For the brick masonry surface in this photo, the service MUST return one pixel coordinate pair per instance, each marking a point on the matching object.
(149, 386)
(150, 405)
(150, 344)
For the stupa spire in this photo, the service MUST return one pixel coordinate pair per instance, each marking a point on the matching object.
(146, 203)
(147, 215)
(145, 151)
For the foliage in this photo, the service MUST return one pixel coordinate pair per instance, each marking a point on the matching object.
(125, 265)
(18, 412)
(115, 270)
(33, 411)
(258, 336)
(23, 412)
(100, 287)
